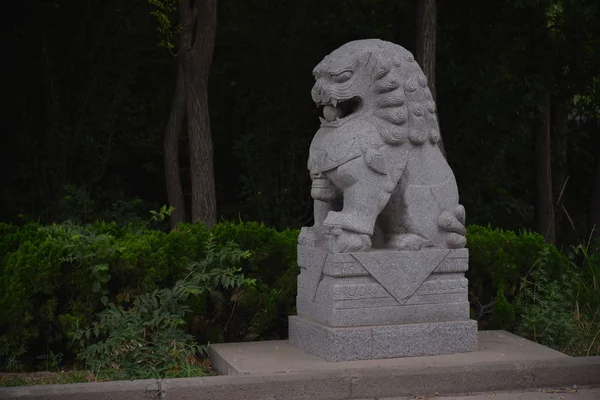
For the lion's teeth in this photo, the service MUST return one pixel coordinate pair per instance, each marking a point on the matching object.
(323, 120)
(334, 102)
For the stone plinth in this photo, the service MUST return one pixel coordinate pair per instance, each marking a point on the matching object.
(382, 304)
(382, 341)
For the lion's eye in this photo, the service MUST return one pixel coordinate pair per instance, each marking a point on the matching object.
(342, 76)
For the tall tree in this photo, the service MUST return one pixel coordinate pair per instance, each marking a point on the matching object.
(199, 25)
(198, 20)
(544, 204)
(171, 146)
(594, 206)
(427, 45)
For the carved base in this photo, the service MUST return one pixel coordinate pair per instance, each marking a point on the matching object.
(382, 287)
(383, 341)
(382, 315)
(382, 304)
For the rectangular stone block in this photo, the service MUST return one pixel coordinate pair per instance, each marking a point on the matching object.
(383, 315)
(332, 289)
(365, 292)
(388, 302)
(382, 303)
(377, 342)
(357, 288)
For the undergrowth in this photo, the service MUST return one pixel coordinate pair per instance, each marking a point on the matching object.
(146, 339)
(127, 300)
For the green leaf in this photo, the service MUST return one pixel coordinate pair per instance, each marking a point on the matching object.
(100, 267)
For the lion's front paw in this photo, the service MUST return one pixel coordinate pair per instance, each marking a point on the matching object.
(407, 241)
(311, 236)
(344, 241)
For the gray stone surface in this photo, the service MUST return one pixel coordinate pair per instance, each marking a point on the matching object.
(586, 393)
(383, 315)
(387, 244)
(143, 389)
(328, 385)
(385, 341)
(279, 356)
(278, 371)
(378, 176)
(477, 378)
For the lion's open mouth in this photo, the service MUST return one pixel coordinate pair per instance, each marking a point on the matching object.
(336, 112)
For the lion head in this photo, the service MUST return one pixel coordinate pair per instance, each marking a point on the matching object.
(378, 81)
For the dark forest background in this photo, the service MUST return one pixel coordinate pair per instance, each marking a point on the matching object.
(89, 88)
(119, 113)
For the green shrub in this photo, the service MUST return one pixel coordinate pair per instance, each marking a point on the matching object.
(146, 340)
(547, 308)
(273, 264)
(564, 312)
(30, 280)
(498, 260)
(521, 284)
(57, 277)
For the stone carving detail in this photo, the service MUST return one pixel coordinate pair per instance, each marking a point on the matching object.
(358, 291)
(457, 261)
(378, 177)
(363, 290)
(383, 265)
(456, 265)
(443, 286)
(345, 269)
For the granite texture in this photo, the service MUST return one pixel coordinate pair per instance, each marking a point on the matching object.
(383, 265)
(382, 287)
(387, 273)
(280, 356)
(383, 315)
(387, 341)
(378, 176)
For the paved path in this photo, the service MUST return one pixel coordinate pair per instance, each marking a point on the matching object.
(540, 394)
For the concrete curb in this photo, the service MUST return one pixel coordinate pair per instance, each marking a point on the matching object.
(334, 384)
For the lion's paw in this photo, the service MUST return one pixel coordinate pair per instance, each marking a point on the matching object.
(343, 241)
(407, 241)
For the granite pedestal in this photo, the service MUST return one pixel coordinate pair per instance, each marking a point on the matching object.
(382, 304)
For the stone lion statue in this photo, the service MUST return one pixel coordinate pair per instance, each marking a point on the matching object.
(378, 177)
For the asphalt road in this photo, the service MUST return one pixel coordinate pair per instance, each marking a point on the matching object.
(587, 393)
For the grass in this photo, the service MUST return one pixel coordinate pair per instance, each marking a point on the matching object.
(11, 379)
(8, 379)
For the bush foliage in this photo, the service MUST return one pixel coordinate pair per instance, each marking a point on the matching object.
(72, 289)
(55, 279)
(145, 340)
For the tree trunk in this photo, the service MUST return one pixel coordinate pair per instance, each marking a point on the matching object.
(544, 210)
(594, 210)
(199, 23)
(427, 44)
(426, 39)
(171, 148)
(560, 171)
